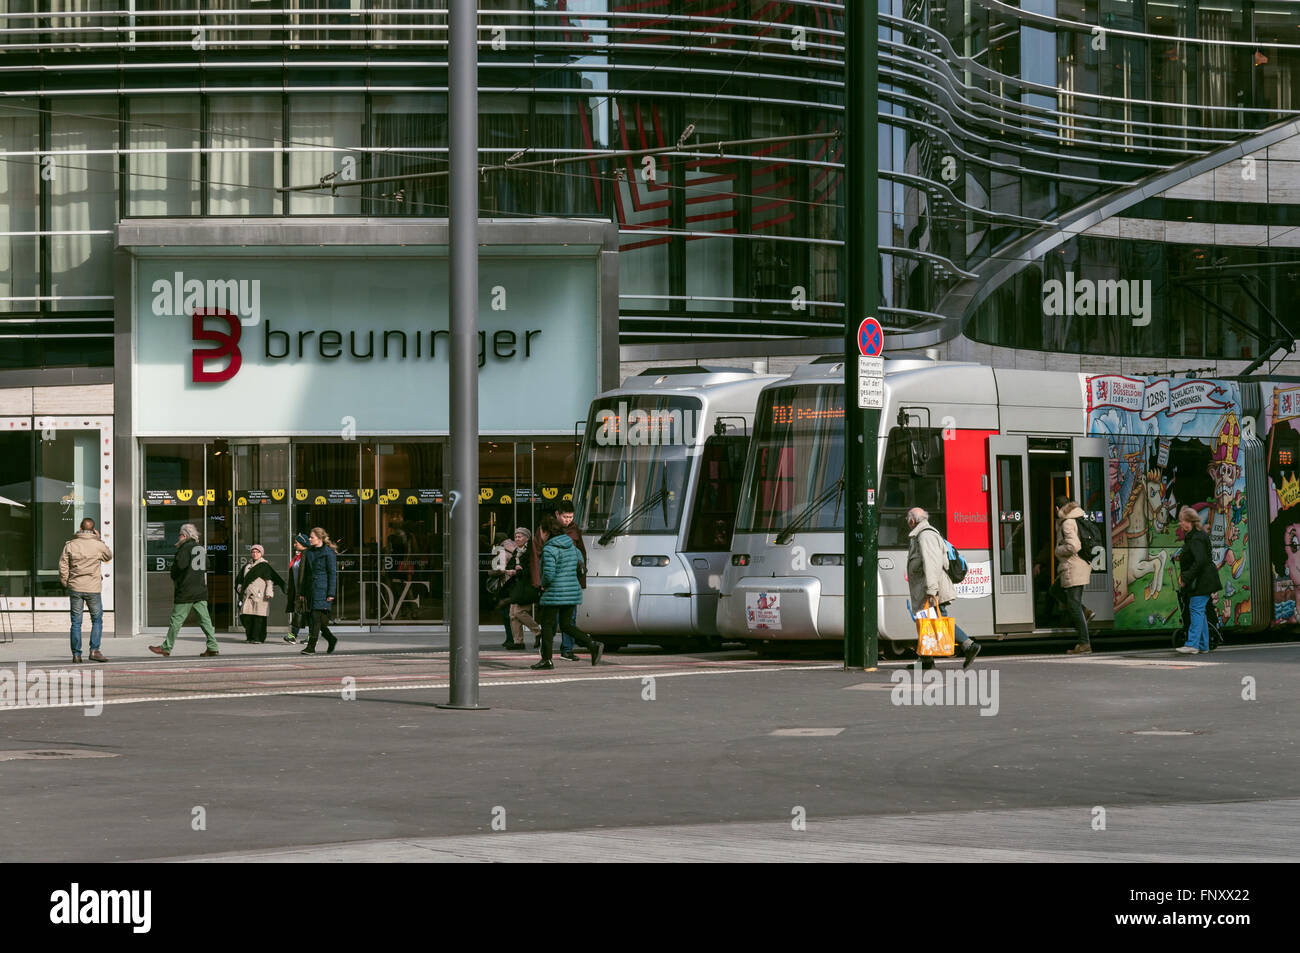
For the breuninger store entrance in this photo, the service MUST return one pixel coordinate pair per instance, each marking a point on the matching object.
(271, 395)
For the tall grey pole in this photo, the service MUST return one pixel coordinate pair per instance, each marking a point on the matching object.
(463, 212)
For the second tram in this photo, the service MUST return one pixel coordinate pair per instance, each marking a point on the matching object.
(986, 451)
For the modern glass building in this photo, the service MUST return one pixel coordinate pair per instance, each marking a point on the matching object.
(1048, 146)
(1065, 183)
(148, 145)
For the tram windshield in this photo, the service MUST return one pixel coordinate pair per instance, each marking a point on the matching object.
(636, 462)
(797, 479)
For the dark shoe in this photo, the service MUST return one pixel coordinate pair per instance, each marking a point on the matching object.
(516, 647)
(1080, 649)
(97, 656)
(208, 654)
(159, 650)
(507, 645)
(332, 642)
(249, 642)
(970, 653)
(544, 665)
(76, 659)
(598, 649)
(569, 655)
(309, 650)
(927, 663)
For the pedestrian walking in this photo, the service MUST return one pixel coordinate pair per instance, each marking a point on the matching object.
(561, 594)
(297, 601)
(1072, 571)
(927, 577)
(323, 564)
(564, 513)
(79, 573)
(189, 576)
(254, 591)
(520, 593)
(498, 584)
(1200, 579)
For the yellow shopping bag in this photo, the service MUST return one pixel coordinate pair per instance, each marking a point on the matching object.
(936, 634)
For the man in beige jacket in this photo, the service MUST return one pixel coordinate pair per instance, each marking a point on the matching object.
(79, 572)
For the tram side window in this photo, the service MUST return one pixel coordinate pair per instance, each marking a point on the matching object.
(714, 514)
(912, 476)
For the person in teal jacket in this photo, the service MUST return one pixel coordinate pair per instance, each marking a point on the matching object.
(561, 593)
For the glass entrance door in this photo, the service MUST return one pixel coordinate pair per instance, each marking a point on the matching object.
(174, 492)
(326, 493)
(404, 517)
(261, 512)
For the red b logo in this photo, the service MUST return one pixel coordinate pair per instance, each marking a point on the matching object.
(227, 345)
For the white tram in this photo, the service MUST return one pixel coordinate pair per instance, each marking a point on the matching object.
(656, 493)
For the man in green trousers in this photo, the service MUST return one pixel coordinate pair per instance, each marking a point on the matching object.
(190, 578)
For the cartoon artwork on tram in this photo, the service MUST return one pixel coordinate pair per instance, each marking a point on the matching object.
(1172, 443)
(1282, 427)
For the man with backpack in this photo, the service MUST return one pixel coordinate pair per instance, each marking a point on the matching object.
(1075, 538)
(927, 576)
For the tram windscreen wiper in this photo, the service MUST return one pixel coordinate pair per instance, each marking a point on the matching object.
(659, 496)
(835, 491)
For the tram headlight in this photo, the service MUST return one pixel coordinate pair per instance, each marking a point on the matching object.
(828, 559)
(740, 559)
(649, 560)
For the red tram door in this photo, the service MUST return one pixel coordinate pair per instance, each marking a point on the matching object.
(1010, 517)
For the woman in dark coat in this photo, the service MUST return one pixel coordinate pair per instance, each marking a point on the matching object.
(1200, 580)
(299, 583)
(254, 591)
(323, 564)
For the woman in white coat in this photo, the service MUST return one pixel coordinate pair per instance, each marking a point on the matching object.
(254, 590)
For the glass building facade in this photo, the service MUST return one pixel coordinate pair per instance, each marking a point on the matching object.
(1135, 143)
(166, 108)
(1020, 137)
(999, 121)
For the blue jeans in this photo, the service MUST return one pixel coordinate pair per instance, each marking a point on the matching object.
(95, 602)
(1198, 631)
(566, 640)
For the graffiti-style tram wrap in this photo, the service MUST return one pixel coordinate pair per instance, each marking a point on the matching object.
(986, 451)
(656, 495)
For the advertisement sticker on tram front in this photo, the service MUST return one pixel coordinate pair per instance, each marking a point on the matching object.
(978, 582)
(763, 610)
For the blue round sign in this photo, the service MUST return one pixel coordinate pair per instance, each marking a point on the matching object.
(871, 338)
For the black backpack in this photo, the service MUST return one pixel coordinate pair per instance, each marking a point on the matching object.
(1089, 537)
